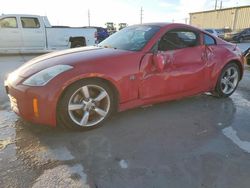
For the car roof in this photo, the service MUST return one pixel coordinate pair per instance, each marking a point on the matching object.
(161, 24)
(164, 24)
(19, 15)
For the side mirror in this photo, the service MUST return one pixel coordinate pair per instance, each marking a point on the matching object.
(159, 61)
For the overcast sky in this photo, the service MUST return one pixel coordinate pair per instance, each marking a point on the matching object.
(75, 12)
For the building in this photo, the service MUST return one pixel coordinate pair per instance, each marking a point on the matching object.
(234, 18)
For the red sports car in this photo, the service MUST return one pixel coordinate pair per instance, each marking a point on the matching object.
(139, 65)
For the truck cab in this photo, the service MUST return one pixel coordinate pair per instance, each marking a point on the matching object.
(32, 33)
(22, 32)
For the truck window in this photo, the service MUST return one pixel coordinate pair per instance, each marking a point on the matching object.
(8, 22)
(30, 22)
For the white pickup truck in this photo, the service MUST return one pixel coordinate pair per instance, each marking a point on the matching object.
(34, 34)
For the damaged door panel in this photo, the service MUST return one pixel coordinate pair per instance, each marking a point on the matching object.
(185, 67)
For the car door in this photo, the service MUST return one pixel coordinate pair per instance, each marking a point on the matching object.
(33, 33)
(184, 72)
(10, 34)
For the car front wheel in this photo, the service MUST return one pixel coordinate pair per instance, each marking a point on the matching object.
(228, 80)
(86, 104)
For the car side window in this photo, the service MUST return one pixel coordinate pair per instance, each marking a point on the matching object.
(208, 40)
(178, 39)
(30, 22)
(8, 22)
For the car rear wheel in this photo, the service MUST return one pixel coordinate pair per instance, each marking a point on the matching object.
(86, 104)
(228, 80)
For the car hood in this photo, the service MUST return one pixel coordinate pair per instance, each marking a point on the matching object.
(68, 57)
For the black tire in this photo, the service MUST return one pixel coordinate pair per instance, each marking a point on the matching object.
(219, 89)
(76, 44)
(64, 115)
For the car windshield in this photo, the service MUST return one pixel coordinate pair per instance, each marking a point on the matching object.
(132, 38)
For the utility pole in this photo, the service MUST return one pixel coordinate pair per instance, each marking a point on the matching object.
(186, 20)
(215, 6)
(89, 17)
(141, 14)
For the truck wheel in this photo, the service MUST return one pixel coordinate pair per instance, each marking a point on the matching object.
(77, 42)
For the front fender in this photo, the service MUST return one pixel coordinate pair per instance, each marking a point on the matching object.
(74, 79)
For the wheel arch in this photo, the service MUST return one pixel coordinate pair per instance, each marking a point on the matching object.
(80, 39)
(239, 64)
(109, 82)
(217, 90)
(217, 71)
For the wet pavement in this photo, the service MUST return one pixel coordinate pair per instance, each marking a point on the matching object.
(197, 142)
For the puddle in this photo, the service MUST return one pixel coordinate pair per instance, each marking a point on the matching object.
(240, 100)
(230, 133)
(239, 122)
(63, 176)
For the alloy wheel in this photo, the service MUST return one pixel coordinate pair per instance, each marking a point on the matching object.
(229, 80)
(89, 105)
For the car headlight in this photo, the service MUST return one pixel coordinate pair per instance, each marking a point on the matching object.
(43, 77)
(12, 77)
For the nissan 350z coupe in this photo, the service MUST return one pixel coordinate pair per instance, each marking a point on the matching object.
(139, 65)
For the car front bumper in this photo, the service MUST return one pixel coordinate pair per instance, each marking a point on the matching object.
(33, 104)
